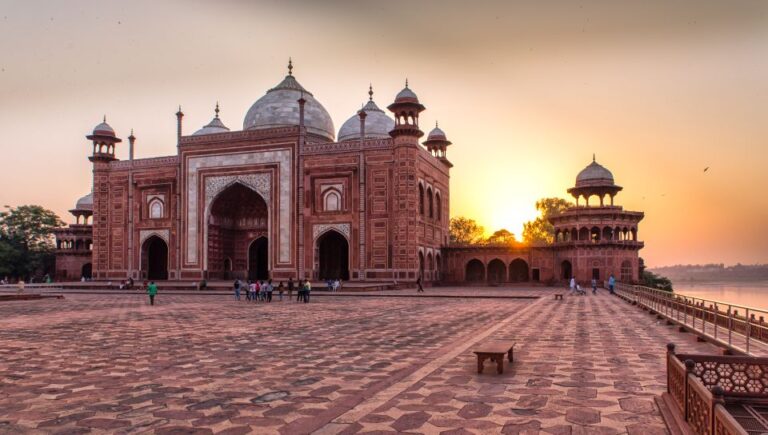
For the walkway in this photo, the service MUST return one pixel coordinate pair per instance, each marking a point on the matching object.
(206, 364)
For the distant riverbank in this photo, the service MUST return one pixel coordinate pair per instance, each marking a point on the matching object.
(751, 294)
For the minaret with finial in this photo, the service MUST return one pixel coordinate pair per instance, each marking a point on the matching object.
(406, 109)
(179, 116)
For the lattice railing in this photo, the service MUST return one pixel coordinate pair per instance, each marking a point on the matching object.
(700, 384)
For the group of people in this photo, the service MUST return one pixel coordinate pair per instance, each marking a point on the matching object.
(576, 289)
(333, 284)
(261, 291)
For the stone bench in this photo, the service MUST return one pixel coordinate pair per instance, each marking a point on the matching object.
(495, 351)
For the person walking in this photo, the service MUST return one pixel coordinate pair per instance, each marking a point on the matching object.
(152, 292)
(280, 290)
(307, 290)
(236, 285)
(594, 286)
(269, 290)
(290, 289)
(573, 285)
(611, 284)
(248, 291)
(300, 291)
(419, 288)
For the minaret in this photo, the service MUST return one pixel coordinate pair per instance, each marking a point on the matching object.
(437, 143)
(405, 135)
(104, 140)
(406, 109)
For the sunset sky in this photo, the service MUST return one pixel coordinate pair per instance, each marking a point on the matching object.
(526, 91)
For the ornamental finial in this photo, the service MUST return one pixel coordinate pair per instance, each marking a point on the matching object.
(105, 118)
(290, 66)
(436, 125)
(217, 110)
(593, 157)
(370, 92)
(406, 82)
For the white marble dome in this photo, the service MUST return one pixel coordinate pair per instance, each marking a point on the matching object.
(594, 174)
(215, 126)
(377, 124)
(279, 108)
(85, 203)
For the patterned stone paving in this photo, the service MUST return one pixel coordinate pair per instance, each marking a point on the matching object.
(206, 364)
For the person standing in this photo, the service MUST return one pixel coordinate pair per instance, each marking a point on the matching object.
(419, 288)
(290, 289)
(611, 283)
(280, 290)
(300, 291)
(21, 286)
(269, 290)
(152, 292)
(236, 285)
(573, 285)
(307, 290)
(594, 286)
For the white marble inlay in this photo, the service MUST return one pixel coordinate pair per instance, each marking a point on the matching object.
(281, 157)
(145, 234)
(319, 229)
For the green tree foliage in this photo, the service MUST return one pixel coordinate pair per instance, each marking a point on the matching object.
(540, 229)
(650, 279)
(26, 240)
(465, 231)
(501, 237)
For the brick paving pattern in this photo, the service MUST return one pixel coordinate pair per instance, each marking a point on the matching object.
(206, 364)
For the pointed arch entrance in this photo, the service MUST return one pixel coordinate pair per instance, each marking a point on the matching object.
(496, 271)
(86, 271)
(518, 270)
(474, 271)
(238, 219)
(566, 270)
(258, 263)
(154, 258)
(333, 256)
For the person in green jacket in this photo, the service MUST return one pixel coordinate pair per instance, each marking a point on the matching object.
(152, 291)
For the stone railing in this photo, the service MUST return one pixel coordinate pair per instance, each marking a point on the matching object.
(739, 327)
(699, 387)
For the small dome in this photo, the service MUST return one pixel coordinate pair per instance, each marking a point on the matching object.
(406, 95)
(279, 108)
(594, 175)
(377, 123)
(215, 126)
(436, 134)
(85, 203)
(103, 129)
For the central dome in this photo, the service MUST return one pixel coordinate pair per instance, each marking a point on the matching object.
(279, 107)
(594, 174)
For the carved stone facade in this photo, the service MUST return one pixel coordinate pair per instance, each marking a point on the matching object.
(272, 200)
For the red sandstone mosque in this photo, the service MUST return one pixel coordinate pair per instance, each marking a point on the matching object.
(287, 197)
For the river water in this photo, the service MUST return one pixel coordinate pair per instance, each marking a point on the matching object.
(751, 294)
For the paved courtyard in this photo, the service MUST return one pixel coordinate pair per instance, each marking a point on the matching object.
(345, 364)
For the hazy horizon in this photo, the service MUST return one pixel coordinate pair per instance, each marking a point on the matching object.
(526, 91)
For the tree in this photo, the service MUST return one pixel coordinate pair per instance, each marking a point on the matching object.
(26, 240)
(541, 229)
(650, 279)
(501, 237)
(465, 231)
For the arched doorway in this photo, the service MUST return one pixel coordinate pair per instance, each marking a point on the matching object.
(497, 271)
(258, 263)
(86, 271)
(421, 265)
(430, 267)
(237, 217)
(518, 270)
(333, 256)
(475, 271)
(566, 270)
(154, 261)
